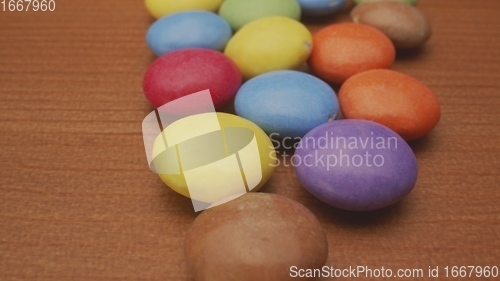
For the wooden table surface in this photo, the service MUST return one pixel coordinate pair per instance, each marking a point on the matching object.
(79, 203)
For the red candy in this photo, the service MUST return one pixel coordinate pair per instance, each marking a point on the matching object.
(188, 71)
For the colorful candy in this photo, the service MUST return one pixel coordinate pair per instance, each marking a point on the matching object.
(188, 71)
(410, 2)
(405, 25)
(213, 163)
(217, 159)
(355, 165)
(257, 236)
(287, 103)
(393, 99)
(161, 8)
(241, 12)
(268, 44)
(190, 29)
(343, 50)
(321, 7)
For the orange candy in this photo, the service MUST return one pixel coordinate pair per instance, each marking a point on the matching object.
(393, 99)
(343, 50)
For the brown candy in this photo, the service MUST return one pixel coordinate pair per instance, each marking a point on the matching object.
(405, 25)
(257, 236)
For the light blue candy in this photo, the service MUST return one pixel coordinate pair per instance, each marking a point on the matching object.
(190, 29)
(321, 7)
(287, 103)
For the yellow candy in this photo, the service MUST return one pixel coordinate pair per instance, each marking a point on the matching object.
(269, 44)
(160, 8)
(214, 156)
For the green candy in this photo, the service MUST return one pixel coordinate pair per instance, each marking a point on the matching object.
(410, 2)
(240, 12)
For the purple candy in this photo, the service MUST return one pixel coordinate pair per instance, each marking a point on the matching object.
(355, 165)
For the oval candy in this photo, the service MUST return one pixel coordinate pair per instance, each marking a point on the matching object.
(212, 157)
(343, 50)
(188, 71)
(268, 44)
(393, 99)
(321, 7)
(410, 2)
(161, 8)
(287, 103)
(257, 236)
(191, 29)
(355, 165)
(405, 25)
(241, 12)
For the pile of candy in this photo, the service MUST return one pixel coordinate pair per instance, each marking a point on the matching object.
(250, 52)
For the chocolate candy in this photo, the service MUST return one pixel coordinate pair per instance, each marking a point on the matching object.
(405, 25)
(268, 44)
(254, 237)
(191, 29)
(410, 2)
(321, 7)
(355, 165)
(393, 99)
(343, 50)
(287, 103)
(212, 164)
(160, 8)
(241, 12)
(188, 71)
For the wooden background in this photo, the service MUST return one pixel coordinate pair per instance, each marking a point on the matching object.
(79, 203)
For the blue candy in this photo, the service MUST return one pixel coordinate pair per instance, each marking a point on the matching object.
(321, 7)
(287, 103)
(190, 29)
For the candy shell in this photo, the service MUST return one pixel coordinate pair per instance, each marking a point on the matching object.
(393, 99)
(321, 7)
(410, 2)
(161, 8)
(405, 25)
(188, 71)
(241, 12)
(257, 236)
(190, 29)
(343, 50)
(268, 44)
(287, 103)
(355, 165)
(203, 151)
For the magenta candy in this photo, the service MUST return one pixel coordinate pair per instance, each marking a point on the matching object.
(183, 72)
(355, 165)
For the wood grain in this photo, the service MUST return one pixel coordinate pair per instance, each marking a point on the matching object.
(79, 203)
